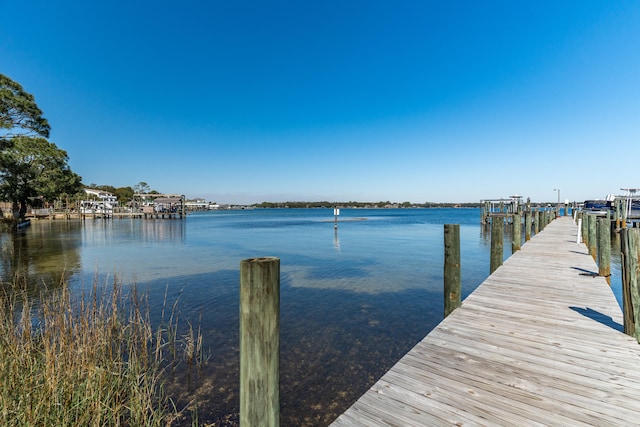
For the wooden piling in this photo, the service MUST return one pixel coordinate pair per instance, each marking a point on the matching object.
(541, 220)
(527, 226)
(516, 233)
(604, 248)
(260, 342)
(585, 228)
(452, 282)
(630, 287)
(536, 222)
(592, 233)
(497, 243)
(547, 217)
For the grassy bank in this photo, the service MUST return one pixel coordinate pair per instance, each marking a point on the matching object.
(93, 360)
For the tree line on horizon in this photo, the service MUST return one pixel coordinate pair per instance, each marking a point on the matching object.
(353, 204)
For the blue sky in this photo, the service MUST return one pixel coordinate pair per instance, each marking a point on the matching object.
(246, 101)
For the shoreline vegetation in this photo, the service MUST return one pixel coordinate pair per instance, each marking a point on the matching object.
(91, 360)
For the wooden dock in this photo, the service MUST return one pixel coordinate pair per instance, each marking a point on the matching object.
(539, 343)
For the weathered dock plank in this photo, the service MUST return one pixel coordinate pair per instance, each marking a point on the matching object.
(540, 342)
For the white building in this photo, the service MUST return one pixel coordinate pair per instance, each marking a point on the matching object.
(103, 202)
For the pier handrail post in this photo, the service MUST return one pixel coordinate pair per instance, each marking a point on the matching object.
(260, 342)
(604, 248)
(630, 294)
(516, 233)
(452, 281)
(497, 243)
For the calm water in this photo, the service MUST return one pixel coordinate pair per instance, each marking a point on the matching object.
(353, 301)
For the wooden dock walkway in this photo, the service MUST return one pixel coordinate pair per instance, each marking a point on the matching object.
(539, 343)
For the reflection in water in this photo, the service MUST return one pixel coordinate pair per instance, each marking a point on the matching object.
(101, 232)
(336, 239)
(40, 257)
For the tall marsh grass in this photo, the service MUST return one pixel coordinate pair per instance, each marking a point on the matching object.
(92, 360)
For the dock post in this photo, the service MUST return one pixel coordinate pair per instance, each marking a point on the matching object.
(592, 233)
(489, 213)
(452, 282)
(579, 236)
(630, 292)
(527, 226)
(604, 248)
(585, 227)
(536, 227)
(260, 342)
(497, 243)
(516, 233)
(547, 218)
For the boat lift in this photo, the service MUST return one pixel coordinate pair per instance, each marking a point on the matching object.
(504, 207)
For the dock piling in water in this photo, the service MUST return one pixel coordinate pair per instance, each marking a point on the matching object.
(497, 243)
(452, 282)
(516, 233)
(604, 248)
(592, 243)
(630, 249)
(260, 342)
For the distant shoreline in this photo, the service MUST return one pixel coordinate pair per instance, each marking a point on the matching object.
(363, 205)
